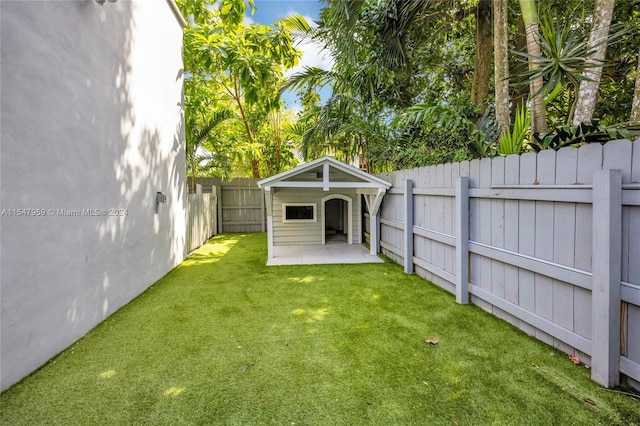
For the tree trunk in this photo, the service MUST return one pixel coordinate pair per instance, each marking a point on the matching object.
(530, 18)
(255, 168)
(484, 47)
(519, 92)
(635, 106)
(255, 163)
(501, 62)
(587, 94)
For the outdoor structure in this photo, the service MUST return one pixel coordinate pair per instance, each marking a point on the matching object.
(92, 131)
(320, 202)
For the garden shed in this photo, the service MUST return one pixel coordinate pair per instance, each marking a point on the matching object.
(320, 203)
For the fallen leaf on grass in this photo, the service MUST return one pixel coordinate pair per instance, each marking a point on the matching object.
(589, 401)
(574, 359)
(431, 342)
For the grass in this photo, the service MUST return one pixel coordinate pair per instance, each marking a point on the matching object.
(222, 339)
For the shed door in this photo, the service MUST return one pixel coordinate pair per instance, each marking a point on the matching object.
(336, 220)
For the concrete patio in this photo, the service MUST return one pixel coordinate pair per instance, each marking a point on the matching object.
(321, 254)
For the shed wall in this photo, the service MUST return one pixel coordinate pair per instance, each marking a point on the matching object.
(309, 233)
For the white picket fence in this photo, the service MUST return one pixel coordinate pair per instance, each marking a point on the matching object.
(202, 217)
(549, 242)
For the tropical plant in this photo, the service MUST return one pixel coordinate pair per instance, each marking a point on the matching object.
(586, 132)
(480, 138)
(566, 56)
(243, 64)
(200, 160)
(513, 142)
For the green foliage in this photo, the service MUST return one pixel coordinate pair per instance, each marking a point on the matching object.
(401, 78)
(565, 56)
(587, 132)
(450, 135)
(200, 160)
(241, 66)
(618, 83)
(514, 142)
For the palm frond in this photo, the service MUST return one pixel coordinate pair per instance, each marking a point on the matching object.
(310, 76)
(399, 17)
(298, 27)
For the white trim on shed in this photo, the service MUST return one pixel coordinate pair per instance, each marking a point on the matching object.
(319, 181)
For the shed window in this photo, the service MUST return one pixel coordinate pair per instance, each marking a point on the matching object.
(299, 212)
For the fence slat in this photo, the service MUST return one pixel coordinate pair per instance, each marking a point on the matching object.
(564, 224)
(545, 174)
(526, 232)
(511, 176)
(497, 227)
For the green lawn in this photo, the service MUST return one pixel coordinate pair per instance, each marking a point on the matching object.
(223, 339)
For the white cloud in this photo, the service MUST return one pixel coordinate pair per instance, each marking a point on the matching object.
(313, 54)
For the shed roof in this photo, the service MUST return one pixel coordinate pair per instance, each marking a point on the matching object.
(325, 172)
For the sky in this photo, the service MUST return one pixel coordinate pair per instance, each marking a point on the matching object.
(270, 11)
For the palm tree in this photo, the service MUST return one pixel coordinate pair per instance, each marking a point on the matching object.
(501, 62)
(196, 135)
(530, 18)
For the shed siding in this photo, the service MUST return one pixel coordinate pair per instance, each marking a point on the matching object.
(309, 233)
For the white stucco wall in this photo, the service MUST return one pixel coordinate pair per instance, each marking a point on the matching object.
(91, 118)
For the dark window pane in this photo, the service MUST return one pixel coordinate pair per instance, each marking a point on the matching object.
(299, 212)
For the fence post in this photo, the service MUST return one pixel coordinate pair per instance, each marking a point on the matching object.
(462, 240)
(262, 212)
(408, 226)
(606, 278)
(199, 212)
(219, 207)
(214, 209)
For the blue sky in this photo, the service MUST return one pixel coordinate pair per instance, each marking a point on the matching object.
(270, 11)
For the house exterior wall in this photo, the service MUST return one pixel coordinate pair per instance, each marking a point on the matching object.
(92, 128)
(308, 233)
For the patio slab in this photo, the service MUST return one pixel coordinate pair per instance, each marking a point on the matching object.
(321, 255)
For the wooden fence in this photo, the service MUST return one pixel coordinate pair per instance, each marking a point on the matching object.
(549, 242)
(202, 215)
(241, 204)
